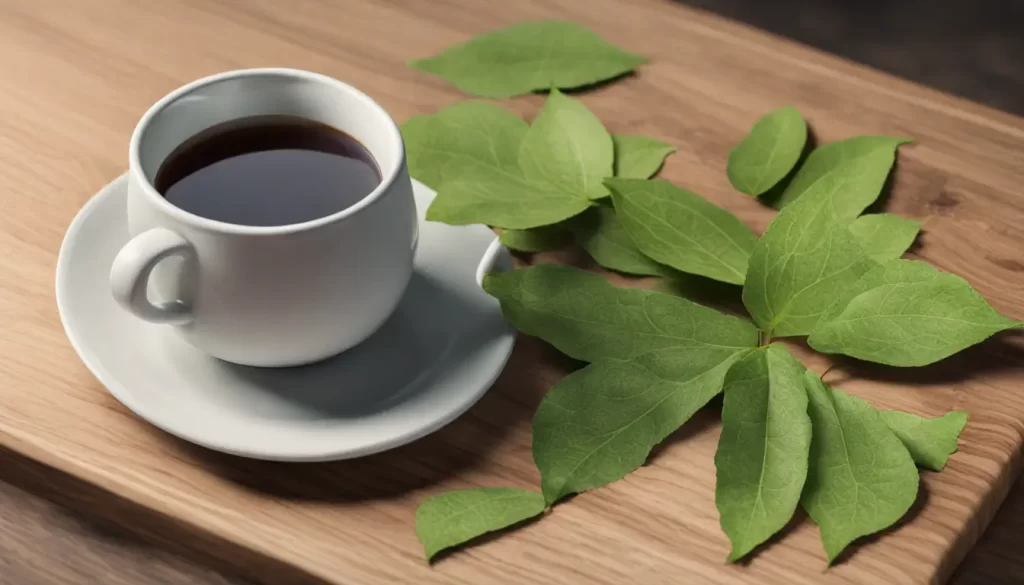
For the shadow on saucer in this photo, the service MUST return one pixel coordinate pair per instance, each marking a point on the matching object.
(433, 321)
(488, 439)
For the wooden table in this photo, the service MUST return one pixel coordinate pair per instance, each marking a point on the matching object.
(75, 77)
(42, 543)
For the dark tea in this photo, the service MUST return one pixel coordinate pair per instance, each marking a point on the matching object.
(268, 171)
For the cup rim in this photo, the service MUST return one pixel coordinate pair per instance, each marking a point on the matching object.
(211, 225)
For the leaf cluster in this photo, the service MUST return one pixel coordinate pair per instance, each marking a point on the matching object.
(822, 270)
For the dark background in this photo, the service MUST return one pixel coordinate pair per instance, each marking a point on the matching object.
(971, 48)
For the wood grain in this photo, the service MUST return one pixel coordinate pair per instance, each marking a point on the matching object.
(42, 542)
(77, 75)
(998, 558)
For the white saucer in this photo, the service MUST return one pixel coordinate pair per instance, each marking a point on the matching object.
(437, 355)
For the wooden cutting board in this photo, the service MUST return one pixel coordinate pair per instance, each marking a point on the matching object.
(76, 76)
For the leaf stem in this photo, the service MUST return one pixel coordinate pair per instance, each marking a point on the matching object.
(763, 338)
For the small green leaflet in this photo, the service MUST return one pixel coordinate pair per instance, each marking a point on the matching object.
(507, 203)
(490, 167)
(884, 236)
(562, 158)
(598, 230)
(907, 313)
(586, 318)
(469, 153)
(466, 141)
(639, 157)
(930, 440)
(860, 479)
(600, 233)
(530, 56)
(601, 422)
(853, 171)
(890, 273)
(762, 453)
(802, 263)
(768, 153)
(541, 239)
(452, 518)
(568, 148)
(683, 230)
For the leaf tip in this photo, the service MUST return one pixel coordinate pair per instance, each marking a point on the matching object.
(551, 497)
(637, 59)
(420, 64)
(736, 554)
(433, 214)
(492, 282)
(791, 109)
(615, 186)
(552, 492)
(429, 553)
(832, 552)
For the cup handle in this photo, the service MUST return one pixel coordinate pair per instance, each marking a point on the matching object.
(129, 275)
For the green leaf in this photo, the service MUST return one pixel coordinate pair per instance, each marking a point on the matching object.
(601, 422)
(803, 262)
(567, 148)
(683, 230)
(907, 313)
(542, 239)
(762, 453)
(600, 233)
(561, 160)
(852, 171)
(893, 272)
(639, 157)
(588, 319)
(807, 258)
(768, 153)
(884, 236)
(450, 519)
(470, 140)
(507, 203)
(930, 440)
(530, 56)
(860, 479)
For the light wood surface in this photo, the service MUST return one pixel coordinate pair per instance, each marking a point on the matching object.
(42, 543)
(45, 543)
(76, 76)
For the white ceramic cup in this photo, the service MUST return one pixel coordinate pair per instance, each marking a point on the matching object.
(266, 296)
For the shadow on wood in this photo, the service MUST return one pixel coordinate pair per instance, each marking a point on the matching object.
(1002, 353)
(915, 509)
